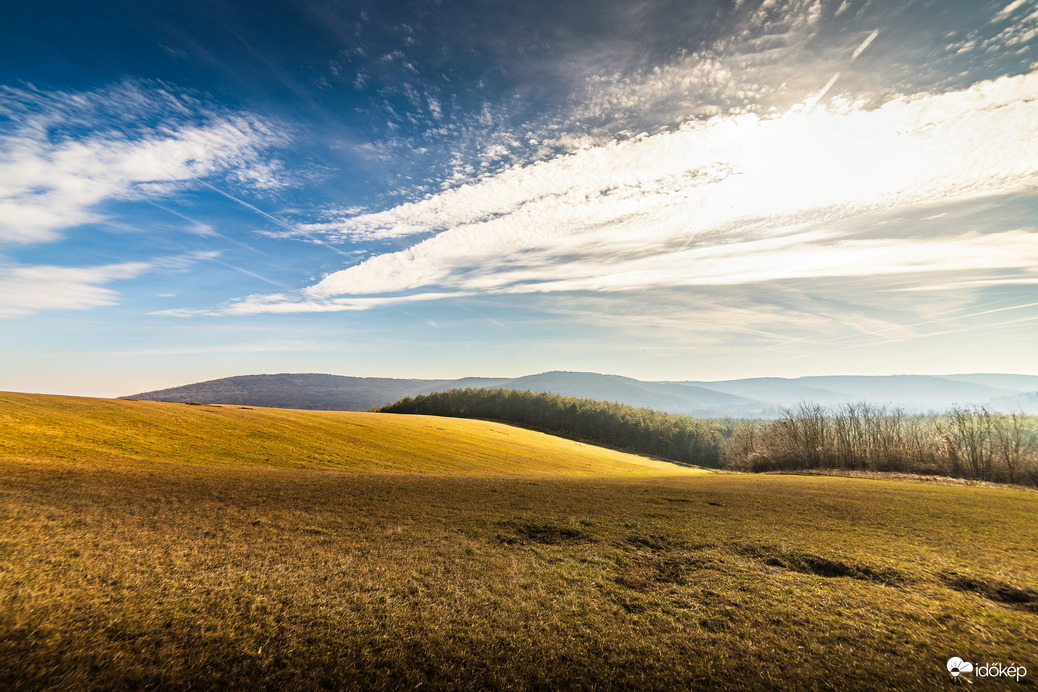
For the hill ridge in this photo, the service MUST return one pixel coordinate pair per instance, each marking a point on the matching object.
(759, 397)
(115, 432)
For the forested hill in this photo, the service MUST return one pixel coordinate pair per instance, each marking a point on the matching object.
(337, 392)
(749, 398)
(298, 390)
(639, 430)
(972, 443)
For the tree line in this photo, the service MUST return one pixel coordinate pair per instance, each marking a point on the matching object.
(971, 443)
(965, 442)
(640, 430)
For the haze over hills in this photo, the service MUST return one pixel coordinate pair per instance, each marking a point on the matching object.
(748, 398)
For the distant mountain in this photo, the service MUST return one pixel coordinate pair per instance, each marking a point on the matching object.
(1017, 383)
(912, 392)
(336, 392)
(301, 391)
(774, 391)
(1025, 401)
(762, 397)
(664, 396)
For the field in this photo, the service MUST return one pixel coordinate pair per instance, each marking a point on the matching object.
(147, 545)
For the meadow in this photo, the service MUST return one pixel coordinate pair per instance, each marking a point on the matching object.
(147, 545)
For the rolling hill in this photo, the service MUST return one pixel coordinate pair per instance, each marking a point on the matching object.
(745, 398)
(912, 392)
(69, 429)
(151, 545)
(300, 391)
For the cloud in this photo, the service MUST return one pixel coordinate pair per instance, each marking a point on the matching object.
(27, 290)
(289, 303)
(1023, 31)
(733, 200)
(65, 154)
(1009, 9)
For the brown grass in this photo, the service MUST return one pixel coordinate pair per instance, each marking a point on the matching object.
(166, 574)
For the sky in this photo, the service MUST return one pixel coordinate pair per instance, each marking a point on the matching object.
(667, 190)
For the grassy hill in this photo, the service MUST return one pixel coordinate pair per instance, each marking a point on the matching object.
(89, 431)
(166, 546)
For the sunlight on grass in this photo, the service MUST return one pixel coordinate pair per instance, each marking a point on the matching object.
(119, 571)
(81, 430)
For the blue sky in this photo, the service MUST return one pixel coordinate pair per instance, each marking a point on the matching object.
(664, 190)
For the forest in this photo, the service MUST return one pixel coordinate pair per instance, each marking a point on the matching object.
(963, 442)
(673, 437)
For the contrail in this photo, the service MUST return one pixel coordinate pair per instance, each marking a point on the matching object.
(252, 274)
(276, 220)
(813, 101)
(865, 44)
(209, 229)
(474, 312)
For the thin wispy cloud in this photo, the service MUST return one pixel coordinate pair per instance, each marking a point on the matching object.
(736, 192)
(26, 290)
(63, 155)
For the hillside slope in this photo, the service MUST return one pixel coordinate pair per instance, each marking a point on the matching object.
(173, 576)
(36, 427)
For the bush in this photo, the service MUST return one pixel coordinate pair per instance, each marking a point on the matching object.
(965, 442)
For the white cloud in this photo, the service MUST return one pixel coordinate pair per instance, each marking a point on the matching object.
(1021, 32)
(1009, 9)
(980, 140)
(51, 180)
(287, 303)
(810, 256)
(26, 290)
(727, 201)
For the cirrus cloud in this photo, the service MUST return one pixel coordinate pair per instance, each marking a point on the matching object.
(26, 290)
(67, 153)
(736, 199)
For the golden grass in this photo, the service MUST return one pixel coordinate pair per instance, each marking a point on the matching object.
(121, 572)
(82, 430)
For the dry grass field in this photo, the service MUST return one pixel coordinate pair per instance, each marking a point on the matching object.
(157, 546)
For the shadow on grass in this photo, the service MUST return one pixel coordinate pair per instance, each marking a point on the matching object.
(994, 590)
(806, 563)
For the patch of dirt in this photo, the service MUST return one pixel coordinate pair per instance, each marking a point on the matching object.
(994, 590)
(641, 575)
(527, 532)
(806, 563)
